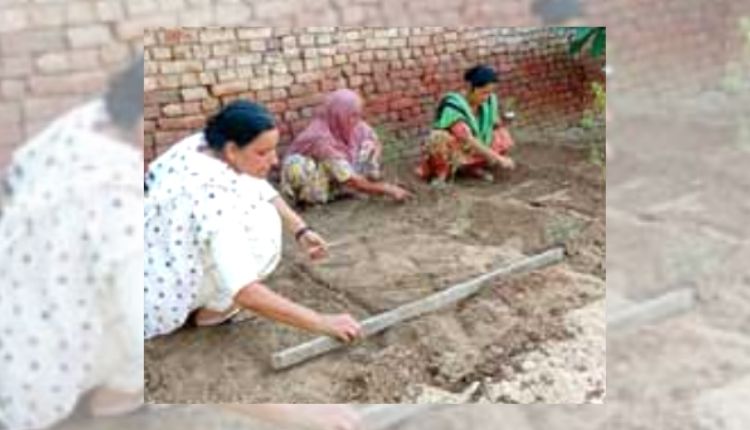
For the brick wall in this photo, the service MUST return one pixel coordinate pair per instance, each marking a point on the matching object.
(54, 53)
(401, 73)
(670, 46)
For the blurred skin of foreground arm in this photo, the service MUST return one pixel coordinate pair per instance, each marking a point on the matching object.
(256, 160)
(307, 417)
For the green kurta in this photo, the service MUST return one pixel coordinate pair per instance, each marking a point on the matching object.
(454, 107)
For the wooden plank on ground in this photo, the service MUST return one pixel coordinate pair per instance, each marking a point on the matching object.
(431, 303)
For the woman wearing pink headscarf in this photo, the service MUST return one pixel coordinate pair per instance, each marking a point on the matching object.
(337, 151)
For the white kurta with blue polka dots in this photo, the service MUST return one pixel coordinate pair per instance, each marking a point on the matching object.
(209, 232)
(71, 258)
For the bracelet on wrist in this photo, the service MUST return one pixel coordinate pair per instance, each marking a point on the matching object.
(301, 232)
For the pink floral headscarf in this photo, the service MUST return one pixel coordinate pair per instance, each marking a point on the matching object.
(337, 131)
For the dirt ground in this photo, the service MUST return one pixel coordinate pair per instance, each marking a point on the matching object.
(538, 337)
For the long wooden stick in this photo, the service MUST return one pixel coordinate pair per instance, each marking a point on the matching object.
(449, 296)
(652, 310)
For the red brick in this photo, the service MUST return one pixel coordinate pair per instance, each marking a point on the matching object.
(151, 112)
(248, 59)
(296, 103)
(379, 68)
(254, 33)
(182, 123)
(377, 108)
(291, 115)
(277, 107)
(193, 108)
(149, 83)
(296, 90)
(249, 95)
(26, 42)
(107, 10)
(227, 75)
(215, 64)
(281, 80)
(190, 79)
(12, 89)
(229, 88)
(209, 105)
(176, 36)
(53, 62)
(77, 83)
(149, 126)
(328, 85)
(12, 136)
(214, 35)
(88, 59)
(88, 36)
(229, 98)
(403, 103)
(161, 96)
(180, 67)
(142, 7)
(207, 78)
(172, 110)
(134, 28)
(264, 95)
(10, 113)
(199, 52)
(194, 93)
(168, 81)
(306, 77)
(80, 13)
(364, 68)
(15, 67)
(13, 19)
(355, 81)
(223, 50)
(161, 52)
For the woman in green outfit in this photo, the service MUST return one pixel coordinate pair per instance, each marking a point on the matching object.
(468, 135)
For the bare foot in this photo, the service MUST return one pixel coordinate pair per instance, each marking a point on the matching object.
(106, 402)
(206, 317)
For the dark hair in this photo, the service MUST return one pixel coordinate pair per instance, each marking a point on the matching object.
(240, 121)
(554, 12)
(124, 96)
(479, 76)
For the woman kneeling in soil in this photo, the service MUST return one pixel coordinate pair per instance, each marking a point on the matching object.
(213, 230)
(337, 152)
(467, 134)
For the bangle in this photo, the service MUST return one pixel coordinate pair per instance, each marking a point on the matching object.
(301, 232)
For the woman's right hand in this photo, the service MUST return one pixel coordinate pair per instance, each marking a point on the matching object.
(503, 162)
(341, 326)
(507, 163)
(397, 193)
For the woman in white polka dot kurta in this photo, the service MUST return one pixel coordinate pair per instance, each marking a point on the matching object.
(70, 264)
(213, 230)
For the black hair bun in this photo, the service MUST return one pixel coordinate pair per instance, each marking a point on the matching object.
(481, 75)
